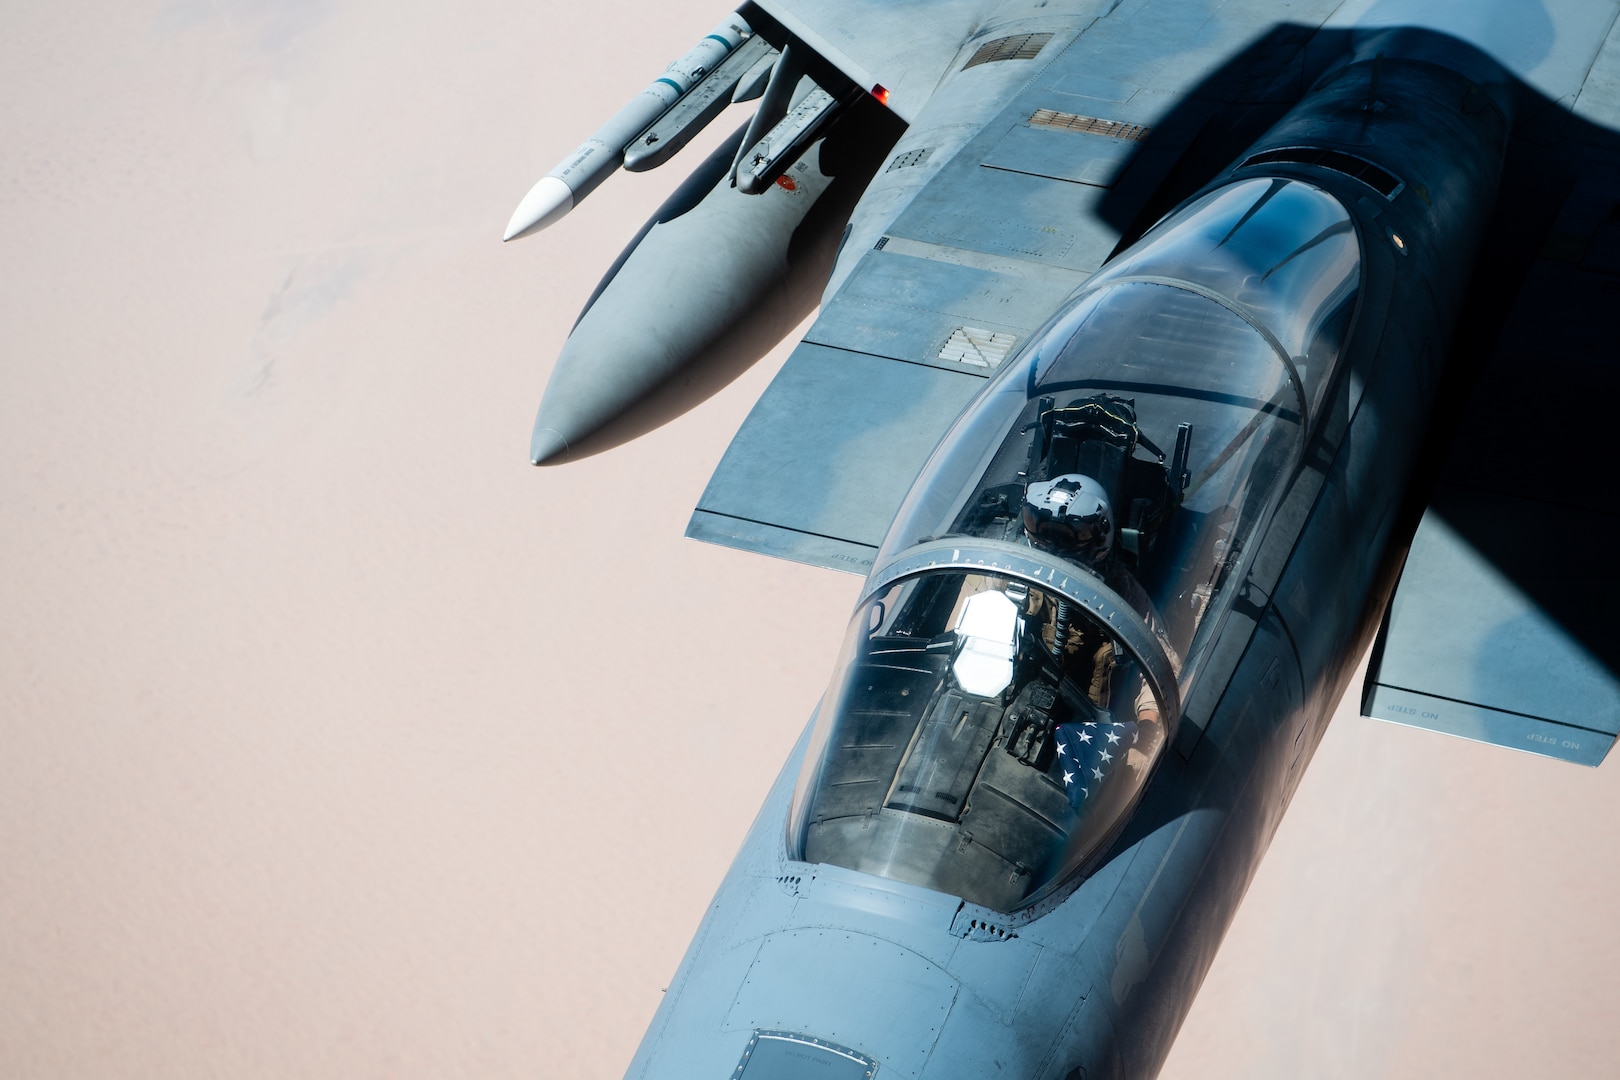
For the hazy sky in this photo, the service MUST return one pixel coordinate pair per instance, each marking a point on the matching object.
(338, 742)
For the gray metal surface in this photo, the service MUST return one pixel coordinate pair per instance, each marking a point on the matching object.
(827, 454)
(1090, 978)
(906, 307)
(1094, 974)
(1550, 44)
(1503, 629)
(1056, 154)
(1468, 650)
(878, 987)
(904, 46)
(1003, 229)
(817, 472)
(665, 136)
(1012, 214)
(643, 336)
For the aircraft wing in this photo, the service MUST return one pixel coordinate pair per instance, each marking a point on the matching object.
(1009, 224)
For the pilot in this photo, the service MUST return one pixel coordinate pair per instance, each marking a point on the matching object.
(1070, 516)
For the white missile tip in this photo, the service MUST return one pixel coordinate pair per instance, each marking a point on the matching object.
(545, 203)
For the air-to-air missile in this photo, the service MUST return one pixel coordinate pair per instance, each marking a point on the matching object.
(728, 83)
(560, 190)
(1086, 672)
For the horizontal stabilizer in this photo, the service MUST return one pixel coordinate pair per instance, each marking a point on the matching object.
(1504, 626)
(1468, 649)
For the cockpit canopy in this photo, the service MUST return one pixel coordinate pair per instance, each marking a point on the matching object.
(990, 733)
(1053, 582)
(1183, 380)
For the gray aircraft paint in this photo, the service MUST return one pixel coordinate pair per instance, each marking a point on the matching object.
(837, 970)
(707, 287)
(1099, 977)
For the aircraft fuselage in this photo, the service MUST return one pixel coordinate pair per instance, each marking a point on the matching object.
(806, 967)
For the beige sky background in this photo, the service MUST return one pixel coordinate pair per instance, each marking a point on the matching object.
(338, 742)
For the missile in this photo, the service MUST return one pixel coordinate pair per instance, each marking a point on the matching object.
(690, 115)
(596, 158)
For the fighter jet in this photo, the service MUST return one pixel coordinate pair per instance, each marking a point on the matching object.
(1170, 354)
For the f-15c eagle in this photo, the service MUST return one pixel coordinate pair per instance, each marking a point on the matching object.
(1169, 353)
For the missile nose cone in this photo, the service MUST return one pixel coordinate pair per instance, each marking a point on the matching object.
(545, 203)
(547, 446)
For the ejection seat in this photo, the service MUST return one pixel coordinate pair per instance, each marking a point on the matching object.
(1098, 436)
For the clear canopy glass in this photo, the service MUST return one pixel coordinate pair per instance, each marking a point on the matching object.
(1183, 378)
(990, 733)
(1067, 555)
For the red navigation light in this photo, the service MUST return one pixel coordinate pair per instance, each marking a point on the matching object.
(881, 93)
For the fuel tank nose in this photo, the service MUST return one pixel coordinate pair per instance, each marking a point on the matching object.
(548, 446)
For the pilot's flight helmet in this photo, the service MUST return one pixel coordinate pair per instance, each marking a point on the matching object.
(1069, 515)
